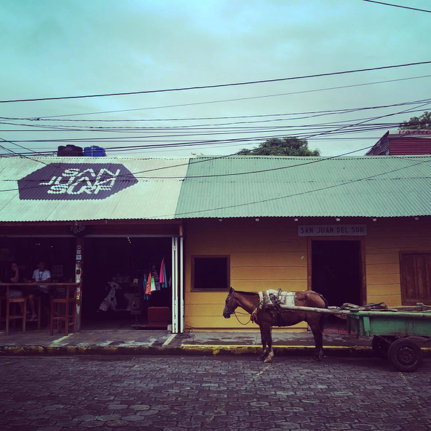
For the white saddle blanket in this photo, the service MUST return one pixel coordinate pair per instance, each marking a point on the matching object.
(285, 298)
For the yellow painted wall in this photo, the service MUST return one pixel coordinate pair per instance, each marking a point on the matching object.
(268, 254)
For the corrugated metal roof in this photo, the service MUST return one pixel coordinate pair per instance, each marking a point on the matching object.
(84, 188)
(382, 186)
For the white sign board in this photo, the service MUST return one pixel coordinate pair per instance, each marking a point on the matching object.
(332, 230)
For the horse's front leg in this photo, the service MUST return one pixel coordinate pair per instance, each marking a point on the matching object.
(269, 354)
(263, 338)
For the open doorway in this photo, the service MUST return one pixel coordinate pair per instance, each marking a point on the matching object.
(127, 262)
(337, 275)
(337, 271)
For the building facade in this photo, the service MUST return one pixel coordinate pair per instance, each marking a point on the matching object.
(355, 229)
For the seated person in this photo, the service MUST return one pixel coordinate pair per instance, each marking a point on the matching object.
(15, 293)
(41, 274)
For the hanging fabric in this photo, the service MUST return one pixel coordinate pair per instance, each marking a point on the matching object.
(156, 278)
(162, 272)
(163, 277)
(152, 285)
(148, 287)
(146, 297)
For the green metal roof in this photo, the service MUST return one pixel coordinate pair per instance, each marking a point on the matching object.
(262, 186)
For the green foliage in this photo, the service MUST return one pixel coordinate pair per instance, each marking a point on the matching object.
(416, 123)
(289, 146)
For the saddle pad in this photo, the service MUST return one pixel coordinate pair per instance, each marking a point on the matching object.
(285, 298)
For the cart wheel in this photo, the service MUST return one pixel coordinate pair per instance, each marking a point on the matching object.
(405, 355)
(380, 347)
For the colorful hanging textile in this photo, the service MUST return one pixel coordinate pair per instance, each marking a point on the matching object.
(145, 287)
(153, 285)
(156, 279)
(162, 272)
(148, 287)
(163, 277)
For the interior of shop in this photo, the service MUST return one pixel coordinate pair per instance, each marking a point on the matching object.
(58, 253)
(116, 290)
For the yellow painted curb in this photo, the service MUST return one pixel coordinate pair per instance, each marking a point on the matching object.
(255, 346)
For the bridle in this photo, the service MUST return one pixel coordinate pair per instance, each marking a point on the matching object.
(230, 311)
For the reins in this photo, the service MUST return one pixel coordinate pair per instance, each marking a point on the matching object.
(245, 314)
(252, 315)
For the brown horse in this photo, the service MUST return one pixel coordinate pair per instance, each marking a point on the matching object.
(267, 317)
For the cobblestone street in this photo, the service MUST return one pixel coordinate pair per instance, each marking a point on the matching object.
(176, 393)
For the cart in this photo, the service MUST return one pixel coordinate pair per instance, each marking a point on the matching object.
(394, 334)
(395, 331)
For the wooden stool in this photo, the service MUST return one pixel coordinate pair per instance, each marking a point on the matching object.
(14, 316)
(2, 299)
(60, 304)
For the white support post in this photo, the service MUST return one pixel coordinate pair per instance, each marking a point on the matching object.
(181, 280)
(174, 285)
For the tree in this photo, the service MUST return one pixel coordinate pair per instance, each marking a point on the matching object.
(289, 146)
(415, 123)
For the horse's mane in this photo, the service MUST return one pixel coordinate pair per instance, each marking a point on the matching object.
(246, 293)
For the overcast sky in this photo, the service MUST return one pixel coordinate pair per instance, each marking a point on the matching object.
(63, 48)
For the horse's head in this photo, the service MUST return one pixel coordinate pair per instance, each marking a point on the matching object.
(230, 305)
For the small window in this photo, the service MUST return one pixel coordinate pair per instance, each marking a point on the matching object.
(210, 272)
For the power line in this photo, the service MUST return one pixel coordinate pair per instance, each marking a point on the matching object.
(201, 87)
(58, 117)
(20, 155)
(305, 115)
(397, 5)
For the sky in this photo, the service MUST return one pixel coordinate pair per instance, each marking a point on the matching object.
(65, 48)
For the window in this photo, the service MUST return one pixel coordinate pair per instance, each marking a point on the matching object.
(210, 273)
(415, 277)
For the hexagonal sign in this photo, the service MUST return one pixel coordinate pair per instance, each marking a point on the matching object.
(75, 181)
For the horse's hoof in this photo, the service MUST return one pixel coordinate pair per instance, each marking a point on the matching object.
(267, 360)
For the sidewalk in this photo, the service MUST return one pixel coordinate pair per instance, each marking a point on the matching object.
(135, 342)
(161, 342)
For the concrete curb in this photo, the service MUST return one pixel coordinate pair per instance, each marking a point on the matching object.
(185, 349)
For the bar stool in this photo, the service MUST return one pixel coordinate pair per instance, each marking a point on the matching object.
(2, 299)
(58, 305)
(15, 316)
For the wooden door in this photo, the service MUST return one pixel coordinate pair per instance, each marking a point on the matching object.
(416, 278)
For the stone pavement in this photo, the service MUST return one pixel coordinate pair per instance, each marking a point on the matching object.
(175, 393)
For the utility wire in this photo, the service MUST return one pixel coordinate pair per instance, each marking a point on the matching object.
(397, 5)
(57, 117)
(302, 115)
(234, 84)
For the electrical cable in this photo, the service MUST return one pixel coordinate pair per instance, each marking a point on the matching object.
(59, 116)
(397, 5)
(234, 84)
(304, 116)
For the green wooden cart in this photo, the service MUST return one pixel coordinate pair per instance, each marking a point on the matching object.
(395, 334)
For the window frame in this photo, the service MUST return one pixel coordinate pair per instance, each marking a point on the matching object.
(404, 299)
(210, 256)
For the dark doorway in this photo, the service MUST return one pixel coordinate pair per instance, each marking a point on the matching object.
(337, 271)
